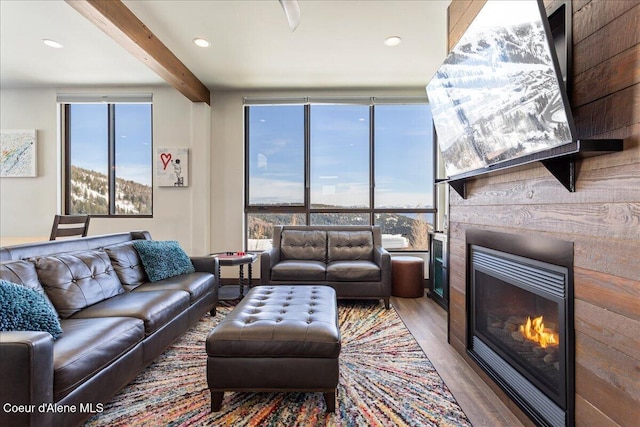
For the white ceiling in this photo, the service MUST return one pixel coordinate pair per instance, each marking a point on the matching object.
(338, 44)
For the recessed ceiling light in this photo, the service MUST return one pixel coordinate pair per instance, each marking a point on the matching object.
(393, 41)
(201, 42)
(52, 43)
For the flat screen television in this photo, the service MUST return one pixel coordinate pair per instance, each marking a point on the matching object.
(499, 95)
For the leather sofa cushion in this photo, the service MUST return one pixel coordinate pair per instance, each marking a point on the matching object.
(197, 284)
(154, 308)
(353, 271)
(74, 281)
(299, 270)
(280, 321)
(349, 245)
(89, 345)
(303, 245)
(127, 264)
(24, 273)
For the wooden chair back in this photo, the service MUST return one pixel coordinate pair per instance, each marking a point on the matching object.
(69, 225)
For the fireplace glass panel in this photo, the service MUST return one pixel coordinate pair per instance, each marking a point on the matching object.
(523, 327)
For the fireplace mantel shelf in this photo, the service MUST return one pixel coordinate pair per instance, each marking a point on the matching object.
(560, 161)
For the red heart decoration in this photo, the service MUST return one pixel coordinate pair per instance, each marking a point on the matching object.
(165, 158)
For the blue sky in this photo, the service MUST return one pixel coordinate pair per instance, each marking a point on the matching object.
(340, 154)
(133, 139)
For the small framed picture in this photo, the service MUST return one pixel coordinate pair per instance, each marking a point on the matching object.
(18, 153)
(172, 167)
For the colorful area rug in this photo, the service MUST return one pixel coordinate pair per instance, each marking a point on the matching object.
(385, 380)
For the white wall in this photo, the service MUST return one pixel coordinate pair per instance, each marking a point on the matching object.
(28, 204)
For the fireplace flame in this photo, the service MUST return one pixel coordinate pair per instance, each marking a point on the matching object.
(535, 331)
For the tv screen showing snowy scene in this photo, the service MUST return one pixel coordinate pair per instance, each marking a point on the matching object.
(498, 95)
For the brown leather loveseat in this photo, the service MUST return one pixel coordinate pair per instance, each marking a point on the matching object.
(350, 259)
(114, 322)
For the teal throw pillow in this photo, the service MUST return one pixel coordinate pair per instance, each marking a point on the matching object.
(23, 309)
(163, 259)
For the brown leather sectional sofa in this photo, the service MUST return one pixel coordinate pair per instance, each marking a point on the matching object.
(350, 259)
(109, 334)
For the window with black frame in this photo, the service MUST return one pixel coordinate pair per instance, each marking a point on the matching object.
(340, 164)
(108, 158)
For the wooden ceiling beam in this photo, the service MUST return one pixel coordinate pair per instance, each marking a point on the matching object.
(115, 19)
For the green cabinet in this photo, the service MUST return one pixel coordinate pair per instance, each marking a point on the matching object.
(439, 270)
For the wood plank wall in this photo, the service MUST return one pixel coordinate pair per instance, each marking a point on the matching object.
(602, 217)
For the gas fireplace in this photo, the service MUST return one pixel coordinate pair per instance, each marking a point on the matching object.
(520, 320)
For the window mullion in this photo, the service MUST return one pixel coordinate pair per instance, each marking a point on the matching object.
(372, 176)
(67, 159)
(247, 156)
(307, 162)
(112, 158)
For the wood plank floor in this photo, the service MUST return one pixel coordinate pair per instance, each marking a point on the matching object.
(427, 322)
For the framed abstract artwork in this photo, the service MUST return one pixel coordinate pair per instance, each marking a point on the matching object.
(172, 167)
(18, 153)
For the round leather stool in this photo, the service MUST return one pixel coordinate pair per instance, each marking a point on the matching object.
(407, 276)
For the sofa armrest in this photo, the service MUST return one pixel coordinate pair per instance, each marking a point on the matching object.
(26, 369)
(268, 259)
(207, 264)
(382, 258)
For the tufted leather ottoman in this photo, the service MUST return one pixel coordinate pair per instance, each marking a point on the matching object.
(278, 338)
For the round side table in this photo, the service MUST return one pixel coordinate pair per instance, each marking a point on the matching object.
(407, 276)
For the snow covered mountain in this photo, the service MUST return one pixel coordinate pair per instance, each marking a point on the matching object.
(89, 194)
